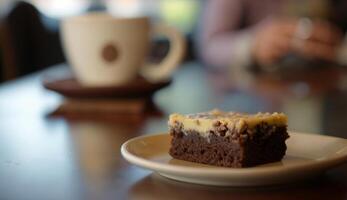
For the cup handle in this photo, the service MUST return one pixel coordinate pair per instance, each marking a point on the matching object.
(164, 70)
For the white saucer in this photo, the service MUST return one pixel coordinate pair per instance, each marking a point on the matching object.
(307, 155)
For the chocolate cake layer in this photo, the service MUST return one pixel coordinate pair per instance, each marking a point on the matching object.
(227, 146)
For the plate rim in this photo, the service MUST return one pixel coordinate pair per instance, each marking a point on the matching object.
(222, 172)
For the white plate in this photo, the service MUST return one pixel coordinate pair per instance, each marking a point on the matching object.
(307, 155)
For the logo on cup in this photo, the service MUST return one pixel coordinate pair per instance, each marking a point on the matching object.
(109, 52)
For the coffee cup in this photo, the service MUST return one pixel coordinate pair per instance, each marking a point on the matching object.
(104, 50)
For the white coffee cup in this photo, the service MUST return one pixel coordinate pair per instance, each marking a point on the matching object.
(107, 51)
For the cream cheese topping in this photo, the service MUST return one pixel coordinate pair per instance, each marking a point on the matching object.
(204, 122)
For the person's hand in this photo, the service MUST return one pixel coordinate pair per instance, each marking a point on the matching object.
(277, 38)
(321, 41)
(273, 40)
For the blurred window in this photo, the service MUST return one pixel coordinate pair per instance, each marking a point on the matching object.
(61, 8)
(180, 13)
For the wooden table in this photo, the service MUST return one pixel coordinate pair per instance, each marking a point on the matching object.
(78, 157)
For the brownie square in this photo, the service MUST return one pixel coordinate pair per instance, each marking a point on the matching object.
(228, 139)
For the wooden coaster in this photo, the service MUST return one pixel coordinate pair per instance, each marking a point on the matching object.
(70, 87)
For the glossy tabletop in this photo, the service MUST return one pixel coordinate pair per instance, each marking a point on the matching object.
(44, 156)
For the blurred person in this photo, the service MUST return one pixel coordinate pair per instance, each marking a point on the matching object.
(270, 34)
(30, 40)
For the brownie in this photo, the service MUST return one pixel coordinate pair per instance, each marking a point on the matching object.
(228, 139)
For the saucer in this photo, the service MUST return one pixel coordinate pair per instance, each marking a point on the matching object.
(307, 155)
(70, 87)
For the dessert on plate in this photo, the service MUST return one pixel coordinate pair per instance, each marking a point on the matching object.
(228, 139)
